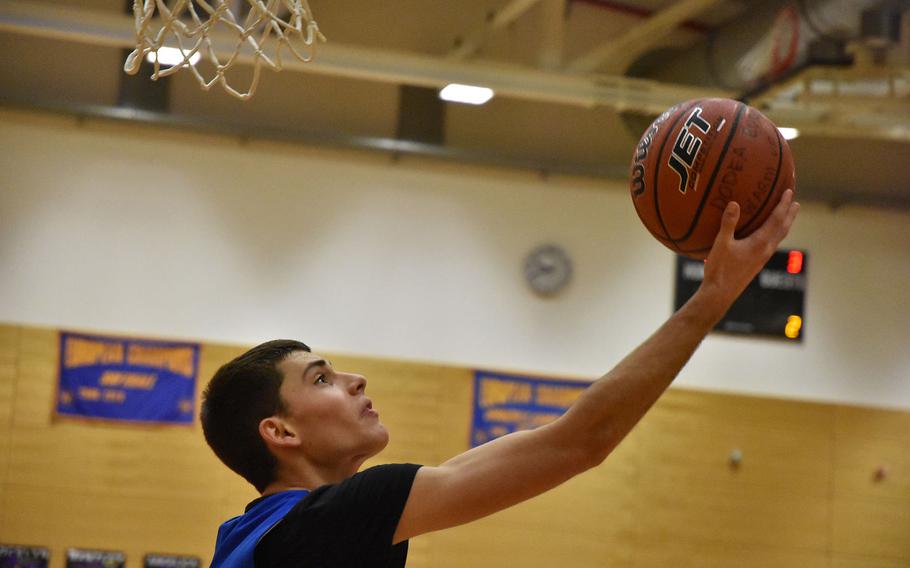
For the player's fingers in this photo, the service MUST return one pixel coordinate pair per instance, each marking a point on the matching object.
(728, 222)
(724, 238)
(773, 227)
(792, 212)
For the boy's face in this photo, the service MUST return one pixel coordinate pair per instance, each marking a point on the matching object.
(330, 412)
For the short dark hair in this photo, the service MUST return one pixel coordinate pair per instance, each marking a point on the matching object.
(241, 394)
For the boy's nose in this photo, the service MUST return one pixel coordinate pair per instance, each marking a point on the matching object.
(357, 384)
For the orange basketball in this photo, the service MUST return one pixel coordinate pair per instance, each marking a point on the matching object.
(697, 157)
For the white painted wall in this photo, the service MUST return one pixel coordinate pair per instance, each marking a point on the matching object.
(129, 229)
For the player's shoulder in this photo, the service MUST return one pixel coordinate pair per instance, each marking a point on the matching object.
(388, 470)
(373, 482)
(379, 478)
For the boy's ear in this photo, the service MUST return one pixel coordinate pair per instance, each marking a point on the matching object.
(278, 433)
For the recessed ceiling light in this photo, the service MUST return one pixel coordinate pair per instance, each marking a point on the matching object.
(469, 94)
(170, 56)
(788, 133)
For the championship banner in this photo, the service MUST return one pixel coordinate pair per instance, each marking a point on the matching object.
(79, 558)
(170, 561)
(128, 380)
(23, 556)
(508, 403)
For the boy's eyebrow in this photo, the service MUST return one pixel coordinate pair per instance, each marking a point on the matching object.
(316, 363)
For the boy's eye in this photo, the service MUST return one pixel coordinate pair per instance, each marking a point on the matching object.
(320, 379)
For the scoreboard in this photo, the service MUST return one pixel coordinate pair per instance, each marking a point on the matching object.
(772, 305)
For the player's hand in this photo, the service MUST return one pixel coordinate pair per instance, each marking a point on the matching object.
(733, 263)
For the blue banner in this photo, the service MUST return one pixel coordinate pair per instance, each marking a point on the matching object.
(507, 403)
(129, 380)
(23, 556)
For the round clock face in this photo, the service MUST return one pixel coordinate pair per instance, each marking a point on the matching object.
(548, 269)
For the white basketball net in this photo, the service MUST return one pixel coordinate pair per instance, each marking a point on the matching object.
(192, 26)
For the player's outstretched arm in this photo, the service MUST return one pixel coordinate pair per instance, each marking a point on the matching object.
(519, 466)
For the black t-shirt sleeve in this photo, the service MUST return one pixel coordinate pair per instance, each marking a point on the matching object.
(348, 524)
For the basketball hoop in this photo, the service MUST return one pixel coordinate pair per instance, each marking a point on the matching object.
(209, 31)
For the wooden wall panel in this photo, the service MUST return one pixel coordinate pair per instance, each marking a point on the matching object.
(878, 527)
(866, 439)
(858, 561)
(786, 445)
(128, 461)
(37, 374)
(804, 495)
(871, 517)
(776, 498)
(664, 555)
(91, 518)
(9, 355)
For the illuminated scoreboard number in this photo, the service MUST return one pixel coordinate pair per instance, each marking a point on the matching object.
(772, 305)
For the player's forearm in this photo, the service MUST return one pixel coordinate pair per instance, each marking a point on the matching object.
(611, 407)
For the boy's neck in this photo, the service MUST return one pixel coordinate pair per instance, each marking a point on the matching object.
(302, 475)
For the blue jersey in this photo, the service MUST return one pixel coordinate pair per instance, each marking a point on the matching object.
(238, 537)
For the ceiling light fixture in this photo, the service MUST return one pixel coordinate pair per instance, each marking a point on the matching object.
(469, 94)
(788, 133)
(170, 56)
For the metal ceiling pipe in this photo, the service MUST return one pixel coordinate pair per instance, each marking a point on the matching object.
(769, 42)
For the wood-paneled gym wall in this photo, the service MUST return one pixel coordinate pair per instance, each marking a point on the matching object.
(804, 496)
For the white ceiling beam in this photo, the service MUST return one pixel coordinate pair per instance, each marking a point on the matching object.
(473, 41)
(622, 93)
(622, 51)
(553, 20)
(375, 64)
(815, 120)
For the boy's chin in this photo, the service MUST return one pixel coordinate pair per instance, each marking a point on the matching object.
(380, 440)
